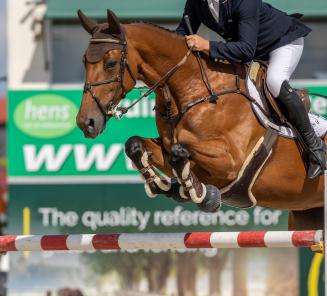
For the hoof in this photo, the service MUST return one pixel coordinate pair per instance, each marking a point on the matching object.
(212, 200)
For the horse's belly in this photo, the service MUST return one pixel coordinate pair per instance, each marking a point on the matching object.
(282, 183)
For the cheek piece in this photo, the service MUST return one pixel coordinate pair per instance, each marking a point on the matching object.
(111, 109)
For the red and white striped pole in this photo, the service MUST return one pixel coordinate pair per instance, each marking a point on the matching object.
(162, 241)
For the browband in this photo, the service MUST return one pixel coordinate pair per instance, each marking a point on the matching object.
(106, 40)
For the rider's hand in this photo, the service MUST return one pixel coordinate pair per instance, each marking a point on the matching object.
(197, 43)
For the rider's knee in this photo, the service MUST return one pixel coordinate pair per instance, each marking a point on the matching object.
(274, 83)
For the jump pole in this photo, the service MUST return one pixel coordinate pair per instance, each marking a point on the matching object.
(161, 241)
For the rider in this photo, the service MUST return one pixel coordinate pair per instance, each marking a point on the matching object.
(254, 29)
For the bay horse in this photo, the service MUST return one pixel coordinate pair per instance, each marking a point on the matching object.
(202, 146)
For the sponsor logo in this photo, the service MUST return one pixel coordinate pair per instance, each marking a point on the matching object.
(319, 105)
(46, 116)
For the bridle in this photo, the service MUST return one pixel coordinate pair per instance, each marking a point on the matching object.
(112, 109)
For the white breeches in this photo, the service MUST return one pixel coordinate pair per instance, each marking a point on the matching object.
(282, 63)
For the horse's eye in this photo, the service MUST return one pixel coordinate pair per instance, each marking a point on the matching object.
(110, 65)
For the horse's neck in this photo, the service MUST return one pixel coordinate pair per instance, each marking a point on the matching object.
(159, 51)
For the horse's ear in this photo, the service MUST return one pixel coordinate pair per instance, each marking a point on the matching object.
(88, 24)
(113, 22)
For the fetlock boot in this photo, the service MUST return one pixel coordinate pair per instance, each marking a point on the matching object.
(295, 112)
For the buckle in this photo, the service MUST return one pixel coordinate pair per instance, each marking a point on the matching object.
(117, 112)
(213, 99)
(86, 88)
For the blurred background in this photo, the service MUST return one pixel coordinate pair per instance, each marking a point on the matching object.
(59, 182)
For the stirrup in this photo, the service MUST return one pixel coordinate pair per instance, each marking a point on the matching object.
(318, 171)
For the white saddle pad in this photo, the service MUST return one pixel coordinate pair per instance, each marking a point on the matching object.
(318, 122)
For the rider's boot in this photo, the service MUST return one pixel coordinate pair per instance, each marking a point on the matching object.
(298, 117)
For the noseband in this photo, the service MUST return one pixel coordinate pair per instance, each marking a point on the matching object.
(111, 109)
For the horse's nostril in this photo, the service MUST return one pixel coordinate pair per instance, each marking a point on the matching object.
(90, 125)
(89, 122)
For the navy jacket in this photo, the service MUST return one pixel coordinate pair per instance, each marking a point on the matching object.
(251, 28)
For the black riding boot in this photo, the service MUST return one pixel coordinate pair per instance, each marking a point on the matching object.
(296, 114)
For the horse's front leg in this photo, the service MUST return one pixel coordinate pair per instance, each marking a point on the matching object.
(207, 197)
(147, 155)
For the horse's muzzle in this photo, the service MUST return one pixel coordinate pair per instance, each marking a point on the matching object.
(91, 127)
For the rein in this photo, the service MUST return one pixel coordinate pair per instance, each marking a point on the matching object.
(158, 84)
(112, 109)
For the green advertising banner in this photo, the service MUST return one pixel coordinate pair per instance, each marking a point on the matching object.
(318, 104)
(45, 147)
(112, 208)
(89, 208)
(44, 140)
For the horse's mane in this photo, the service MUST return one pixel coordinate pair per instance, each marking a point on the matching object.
(155, 26)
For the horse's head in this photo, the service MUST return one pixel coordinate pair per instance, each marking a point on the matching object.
(108, 73)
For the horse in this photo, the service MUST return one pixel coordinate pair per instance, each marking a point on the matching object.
(203, 142)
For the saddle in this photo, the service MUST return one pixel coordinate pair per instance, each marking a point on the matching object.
(257, 73)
